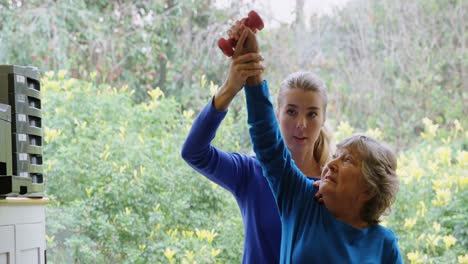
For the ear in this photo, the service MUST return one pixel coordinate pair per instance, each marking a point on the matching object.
(367, 195)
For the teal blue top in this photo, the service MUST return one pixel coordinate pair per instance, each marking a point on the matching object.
(310, 233)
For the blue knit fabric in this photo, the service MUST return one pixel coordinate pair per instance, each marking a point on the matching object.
(311, 234)
(242, 176)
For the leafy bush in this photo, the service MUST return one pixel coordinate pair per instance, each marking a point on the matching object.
(138, 43)
(120, 191)
(430, 213)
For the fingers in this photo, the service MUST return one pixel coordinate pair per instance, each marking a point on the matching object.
(249, 69)
(248, 57)
(236, 30)
(249, 66)
(318, 195)
(317, 183)
(247, 43)
(249, 62)
(250, 32)
(242, 38)
(250, 73)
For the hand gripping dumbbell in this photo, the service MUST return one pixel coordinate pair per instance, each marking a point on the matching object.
(252, 21)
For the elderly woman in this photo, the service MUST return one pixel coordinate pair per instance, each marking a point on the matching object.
(357, 186)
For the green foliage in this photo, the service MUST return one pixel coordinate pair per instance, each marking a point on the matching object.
(393, 60)
(121, 192)
(430, 213)
(387, 64)
(138, 43)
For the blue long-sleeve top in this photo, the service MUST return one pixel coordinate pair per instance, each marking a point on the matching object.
(242, 176)
(310, 233)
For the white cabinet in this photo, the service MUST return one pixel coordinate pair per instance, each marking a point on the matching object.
(22, 231)
(7, 244)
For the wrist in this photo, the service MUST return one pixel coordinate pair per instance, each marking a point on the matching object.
(254, 80)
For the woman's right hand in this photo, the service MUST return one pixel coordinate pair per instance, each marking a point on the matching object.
(243, 67)
(244, 64)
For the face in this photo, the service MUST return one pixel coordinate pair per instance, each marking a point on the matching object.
(300, 115)
(342, 183)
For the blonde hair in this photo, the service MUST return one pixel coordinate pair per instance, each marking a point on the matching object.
(378, 166)
(308, 81)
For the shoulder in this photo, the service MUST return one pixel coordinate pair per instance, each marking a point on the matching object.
(389, 240)
(384, 232)
(245, 159)
(391, 250)
(248, 163)
(256, 178)
(257, 166)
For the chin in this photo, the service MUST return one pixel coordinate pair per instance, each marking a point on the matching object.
(323, 184)
(324, 188)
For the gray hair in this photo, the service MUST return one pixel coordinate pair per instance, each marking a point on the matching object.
(378, 166)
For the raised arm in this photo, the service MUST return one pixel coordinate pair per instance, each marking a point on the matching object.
(285, 179)
(226, 169)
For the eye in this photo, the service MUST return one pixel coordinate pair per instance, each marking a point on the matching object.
(312, 114)
(334, 156)
(348, 159)
(291, 111)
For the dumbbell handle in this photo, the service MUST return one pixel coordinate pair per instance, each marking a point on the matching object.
(253, 21)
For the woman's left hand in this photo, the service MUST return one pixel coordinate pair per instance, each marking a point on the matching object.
(318, 195)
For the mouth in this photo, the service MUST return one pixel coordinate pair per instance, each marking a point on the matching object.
(329, 178)
(299, 139)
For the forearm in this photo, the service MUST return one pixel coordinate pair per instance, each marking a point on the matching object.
(224, 97)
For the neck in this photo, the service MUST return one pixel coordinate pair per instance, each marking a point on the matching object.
(307, 164)
(349, 216)
(355, 222)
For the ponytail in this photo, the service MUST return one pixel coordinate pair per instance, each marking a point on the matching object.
(322, 147)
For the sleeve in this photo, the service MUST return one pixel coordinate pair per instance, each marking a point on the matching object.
(391, 252)
(395, 254)
(286, 180)
(229, 170)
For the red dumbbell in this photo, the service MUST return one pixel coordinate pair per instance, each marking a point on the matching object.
(253, 21)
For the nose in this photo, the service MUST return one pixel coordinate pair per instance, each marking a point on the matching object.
(301, 123)
(332, 166)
